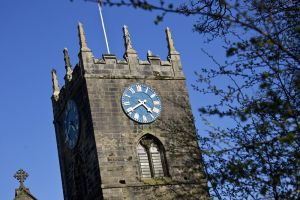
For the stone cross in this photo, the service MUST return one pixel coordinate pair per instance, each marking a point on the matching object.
(21, 176)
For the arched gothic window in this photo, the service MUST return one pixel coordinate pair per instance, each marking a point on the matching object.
(151, 157)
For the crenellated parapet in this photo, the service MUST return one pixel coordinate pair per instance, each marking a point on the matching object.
(130, 67)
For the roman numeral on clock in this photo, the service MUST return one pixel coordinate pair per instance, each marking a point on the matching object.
(127, 103)
(153, 95)
(145, 118)
(156, 102)
(156, 110)
(136, 116)
(132, 90)
(138, 88)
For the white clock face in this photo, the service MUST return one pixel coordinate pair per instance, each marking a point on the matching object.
(141, 103)
(71, 124)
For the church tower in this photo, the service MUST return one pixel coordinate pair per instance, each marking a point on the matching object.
(124, 128)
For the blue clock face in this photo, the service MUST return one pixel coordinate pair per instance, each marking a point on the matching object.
(141, 103)
(71, 124)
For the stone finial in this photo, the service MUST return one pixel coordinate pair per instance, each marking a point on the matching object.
(21, 176)
(82, 40)
(68, 67)
(55, 85)
(149, 53)
(170, 41)
(127, 41)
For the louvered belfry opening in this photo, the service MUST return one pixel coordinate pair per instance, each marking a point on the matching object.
(144, 162)
(151, 157)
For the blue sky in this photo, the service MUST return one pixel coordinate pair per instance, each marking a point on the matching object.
(33, 34)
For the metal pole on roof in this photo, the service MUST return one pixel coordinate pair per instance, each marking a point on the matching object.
(103, 27)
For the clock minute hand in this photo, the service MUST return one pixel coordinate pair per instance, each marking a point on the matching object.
(132, 109)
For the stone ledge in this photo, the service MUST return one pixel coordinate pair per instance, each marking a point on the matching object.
(141, 184)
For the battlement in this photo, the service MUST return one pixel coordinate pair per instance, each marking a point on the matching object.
(130, 67)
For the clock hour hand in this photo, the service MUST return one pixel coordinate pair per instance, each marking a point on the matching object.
(143, 103)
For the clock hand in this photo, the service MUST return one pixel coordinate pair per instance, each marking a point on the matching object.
(73, 127)
(132, 109)
(144, 104)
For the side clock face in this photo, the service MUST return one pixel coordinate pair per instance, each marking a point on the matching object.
(141, 103)
(71, 124)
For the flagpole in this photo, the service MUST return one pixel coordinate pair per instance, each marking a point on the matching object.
(103, 27)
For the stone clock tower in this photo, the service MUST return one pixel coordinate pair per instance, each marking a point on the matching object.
(124, 128)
